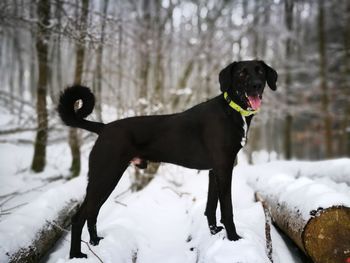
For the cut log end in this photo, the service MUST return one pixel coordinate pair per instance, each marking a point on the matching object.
(326, 237)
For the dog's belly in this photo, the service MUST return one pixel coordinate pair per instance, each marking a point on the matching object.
(194, 158)
(188, 164)
(198, 164)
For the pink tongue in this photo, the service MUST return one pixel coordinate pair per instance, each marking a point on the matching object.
(255, 102)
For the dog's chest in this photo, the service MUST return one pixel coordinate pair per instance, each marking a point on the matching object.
(245, 131)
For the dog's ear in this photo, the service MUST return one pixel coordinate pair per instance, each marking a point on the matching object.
(271, 76)
(226, 77)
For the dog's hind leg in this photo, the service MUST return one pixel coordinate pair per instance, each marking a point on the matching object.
(78, 222)
(106, 166)
(98, 191)
(212, 203)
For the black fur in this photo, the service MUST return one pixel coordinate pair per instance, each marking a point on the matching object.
(75, 118)
(207, 136)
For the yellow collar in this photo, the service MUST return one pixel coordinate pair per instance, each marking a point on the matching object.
(233, 105)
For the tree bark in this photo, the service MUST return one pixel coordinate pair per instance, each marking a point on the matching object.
(327, 120)
(121, 57)
(256, 35)
(39, 159)
(346, 124)
(289, 8)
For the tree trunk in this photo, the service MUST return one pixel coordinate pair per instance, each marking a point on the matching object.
(19, 60)
(143, 177)
(39, 159)
(327, 120)
(121, 56)
(182, 83)
(46, 238)
(289, 7)
(159, 68)
(324, 238)
(32, 58)
(346, 125)
(74, 141)
(99, 62)
(58, 50)
(288, 137)
(256, 20)
(144, 56)
(318, 227)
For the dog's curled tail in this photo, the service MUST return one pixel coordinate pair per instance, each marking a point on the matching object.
(76, 117)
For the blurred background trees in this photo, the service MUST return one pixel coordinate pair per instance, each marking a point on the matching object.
(163, 56)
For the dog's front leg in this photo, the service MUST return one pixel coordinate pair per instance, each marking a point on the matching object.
(212, 202)
(223, 173)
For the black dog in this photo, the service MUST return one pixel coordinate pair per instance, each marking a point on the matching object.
(207, 136)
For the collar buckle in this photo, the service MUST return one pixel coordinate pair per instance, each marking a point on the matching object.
(227, 98)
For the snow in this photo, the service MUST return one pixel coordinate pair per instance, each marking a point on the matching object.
(165, 222)
(303, 194)
(29, 219)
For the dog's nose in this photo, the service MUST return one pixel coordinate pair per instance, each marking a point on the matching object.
(257, 85)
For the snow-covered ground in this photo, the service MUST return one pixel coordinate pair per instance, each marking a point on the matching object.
(164, 222)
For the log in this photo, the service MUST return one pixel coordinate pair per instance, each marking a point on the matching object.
(326, 237)
(268, 238)
(314, 216)
(46, 238)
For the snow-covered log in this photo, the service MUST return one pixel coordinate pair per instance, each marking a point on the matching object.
(25, 236)
(267, 226)
(314, 216)
(46, 237)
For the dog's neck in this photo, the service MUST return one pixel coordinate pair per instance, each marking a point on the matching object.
(244, 117)
(236, 107)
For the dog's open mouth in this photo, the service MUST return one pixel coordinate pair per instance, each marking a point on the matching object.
(254, 102)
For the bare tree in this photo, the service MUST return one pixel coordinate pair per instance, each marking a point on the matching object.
(99, 62)
(289, 9)
(42, 42)
(346, 126)
(74, 140)
(327, 119)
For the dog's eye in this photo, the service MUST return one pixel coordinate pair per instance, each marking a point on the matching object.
(259, 70)
(243, 73)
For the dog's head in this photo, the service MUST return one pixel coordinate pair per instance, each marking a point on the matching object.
(245, 81)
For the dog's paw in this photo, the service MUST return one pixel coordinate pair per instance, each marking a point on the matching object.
(95, 241)
(234, 237)
(214, 229)
(77, 255)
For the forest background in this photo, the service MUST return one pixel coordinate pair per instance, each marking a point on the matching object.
(163, 56)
